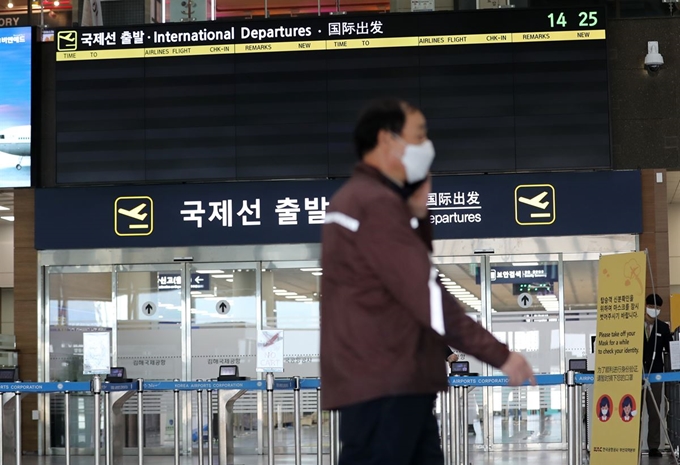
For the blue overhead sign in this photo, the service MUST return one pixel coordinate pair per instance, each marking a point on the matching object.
(280, 212)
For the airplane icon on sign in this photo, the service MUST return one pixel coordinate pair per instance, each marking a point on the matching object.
(135, 212)
(535, 204)
(536, 201)
(133, 216)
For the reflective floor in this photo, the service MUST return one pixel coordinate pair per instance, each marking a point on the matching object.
(477, 458)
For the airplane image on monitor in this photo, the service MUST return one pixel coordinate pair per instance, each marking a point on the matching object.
(16, 141)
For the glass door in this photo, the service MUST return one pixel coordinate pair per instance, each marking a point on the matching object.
(463, 280)
(79, 299)
(526, 312)
(149, 314)
(224, 302)
(290, 304)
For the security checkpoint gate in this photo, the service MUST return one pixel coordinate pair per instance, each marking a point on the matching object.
(455, 451)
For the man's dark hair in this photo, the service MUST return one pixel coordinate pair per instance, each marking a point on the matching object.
(387, 114)
(654, 299)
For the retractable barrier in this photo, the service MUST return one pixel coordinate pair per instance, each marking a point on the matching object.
(453, 404)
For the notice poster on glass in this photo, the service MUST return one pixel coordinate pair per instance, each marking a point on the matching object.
(96, 353)
(270, 351)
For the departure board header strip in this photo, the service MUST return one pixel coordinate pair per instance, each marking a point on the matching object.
(318, 45)
(358, 31)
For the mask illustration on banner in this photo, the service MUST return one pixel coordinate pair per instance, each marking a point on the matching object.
(653, 312)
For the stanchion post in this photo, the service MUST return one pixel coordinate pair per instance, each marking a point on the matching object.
(140, 421)
(107, 428)
(270, 418)
(297, 413)
(571, 419)
(67, 428)
(319, 428)
(17, 427)
(96, 390)
(579, 423)
(454, 408)
(2, 432)
(333, 438)
(210, 427)
(464, 432)
(445, 417)
(199, 398)
(177, 428)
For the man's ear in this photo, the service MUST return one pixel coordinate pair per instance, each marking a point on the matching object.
(384, 137)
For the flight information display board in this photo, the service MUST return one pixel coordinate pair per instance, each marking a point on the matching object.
(503, 90)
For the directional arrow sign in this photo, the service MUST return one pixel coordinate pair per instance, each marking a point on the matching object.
(222, 307)
(149, 308)
(199, 280)
(525, 300)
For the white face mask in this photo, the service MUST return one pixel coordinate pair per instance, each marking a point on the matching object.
(417, 160)
(653, 312)
(605, 411)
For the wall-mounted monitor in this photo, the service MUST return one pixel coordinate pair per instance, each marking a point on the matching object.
(16, 44)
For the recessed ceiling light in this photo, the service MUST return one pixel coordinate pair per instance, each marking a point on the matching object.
(7, 218)
(317, 273)
(525, 264)
(293, 296)
(220, 276)
(311, 269)
(209, 271)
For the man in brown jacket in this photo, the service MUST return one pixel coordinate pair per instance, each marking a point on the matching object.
(385, 317)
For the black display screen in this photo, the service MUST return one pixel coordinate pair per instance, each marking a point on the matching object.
(9, 374)
(460, 367)
(117, 372)
(228, 370)
(503, 90)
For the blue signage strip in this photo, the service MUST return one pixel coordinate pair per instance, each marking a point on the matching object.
(45, 388)
(119, 387)
(281, 212)
(310, 383)
(203, 385)
(541, 380)
(284, 384)
(584, 378)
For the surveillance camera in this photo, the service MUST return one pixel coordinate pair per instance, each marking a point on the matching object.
(653, 60)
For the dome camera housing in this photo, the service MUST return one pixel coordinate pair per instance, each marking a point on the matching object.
(653, 60)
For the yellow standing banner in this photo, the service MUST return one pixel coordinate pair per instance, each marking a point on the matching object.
(619, 342)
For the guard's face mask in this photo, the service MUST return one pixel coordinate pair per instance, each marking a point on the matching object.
(653, 312)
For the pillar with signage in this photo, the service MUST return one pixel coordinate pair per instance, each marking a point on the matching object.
(618, 359)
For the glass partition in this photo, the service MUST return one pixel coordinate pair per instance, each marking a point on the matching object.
(224, 302)
(290, 303)
(186, 320)
(149, 311)
(525, 314)
(79, 300)
(461, 277)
